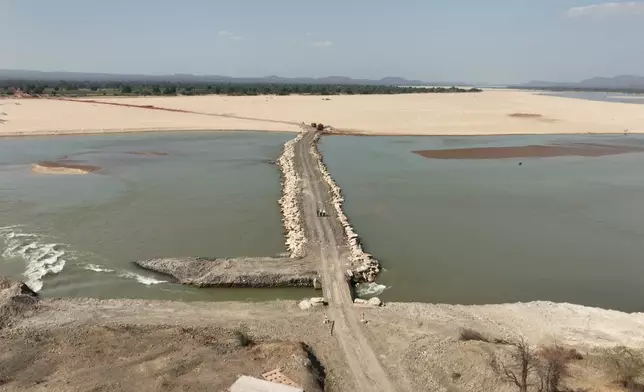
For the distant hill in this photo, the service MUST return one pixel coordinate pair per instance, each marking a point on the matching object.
(25, 75)
(622, 82)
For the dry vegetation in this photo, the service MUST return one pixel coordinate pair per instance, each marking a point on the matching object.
(626, 368)
(549, 368)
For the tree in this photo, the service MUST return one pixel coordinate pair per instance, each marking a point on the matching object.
(126, 89)
(626, 367)
(554, 367)
(170, 90)
(156, 90)
(523, 362)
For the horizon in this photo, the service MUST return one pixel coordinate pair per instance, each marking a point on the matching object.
(499, 42)
(312, 77)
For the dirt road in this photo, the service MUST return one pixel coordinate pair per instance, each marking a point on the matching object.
(324, 239)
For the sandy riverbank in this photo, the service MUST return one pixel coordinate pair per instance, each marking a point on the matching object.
(178, 345)
(489, 112)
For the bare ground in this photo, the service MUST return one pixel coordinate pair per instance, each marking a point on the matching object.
(133, 345)
(92, 345)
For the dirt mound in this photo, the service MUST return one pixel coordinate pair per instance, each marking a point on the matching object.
(525, 115)
(16, 300)
(135, 358)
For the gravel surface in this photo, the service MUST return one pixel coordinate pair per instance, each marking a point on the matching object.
(236, 272)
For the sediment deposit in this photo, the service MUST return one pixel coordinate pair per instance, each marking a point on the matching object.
(62, 167)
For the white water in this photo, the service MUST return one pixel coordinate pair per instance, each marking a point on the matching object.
(368, 290)
(146, 280)
(42, 258)
(96, 268)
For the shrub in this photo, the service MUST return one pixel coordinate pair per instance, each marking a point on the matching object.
(554, 366)
(523, 363)
(468, 334)
(243, 339)
(626, 367)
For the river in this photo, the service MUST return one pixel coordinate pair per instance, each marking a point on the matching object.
(156, 195)
(566, 229)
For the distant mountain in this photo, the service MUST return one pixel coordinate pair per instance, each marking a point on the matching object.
(622, 82)
(24, 75)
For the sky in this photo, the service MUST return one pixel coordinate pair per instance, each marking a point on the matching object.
(483, 41)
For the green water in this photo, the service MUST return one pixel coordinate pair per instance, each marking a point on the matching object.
(567, 229)
(213, 194)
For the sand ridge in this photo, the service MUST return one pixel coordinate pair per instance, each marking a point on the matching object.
(487, 113)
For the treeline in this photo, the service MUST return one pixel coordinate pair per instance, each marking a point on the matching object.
(76, 89)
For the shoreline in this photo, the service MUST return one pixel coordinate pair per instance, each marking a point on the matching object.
(336, 133)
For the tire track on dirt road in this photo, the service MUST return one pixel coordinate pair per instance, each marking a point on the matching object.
(365, 367)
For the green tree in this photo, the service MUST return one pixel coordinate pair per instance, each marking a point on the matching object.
(126, 89)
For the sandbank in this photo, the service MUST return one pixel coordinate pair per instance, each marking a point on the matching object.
(492, 112)
(62, 167)
(531, 151)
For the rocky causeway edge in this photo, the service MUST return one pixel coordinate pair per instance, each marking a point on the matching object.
(235, 272)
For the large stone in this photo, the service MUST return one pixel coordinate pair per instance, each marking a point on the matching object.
(375, 301)
(305, 304)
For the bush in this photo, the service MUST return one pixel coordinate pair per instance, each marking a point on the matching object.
(626, 367)
(554, 366)
(320, 127)
(243, 339)
(468, 334)
(523, 363)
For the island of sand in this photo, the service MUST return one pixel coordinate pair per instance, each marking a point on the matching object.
(63, 167)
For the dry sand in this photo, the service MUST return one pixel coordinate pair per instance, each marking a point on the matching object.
(489, 112)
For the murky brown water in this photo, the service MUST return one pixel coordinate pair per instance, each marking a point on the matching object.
(152, 195)
(472, 231)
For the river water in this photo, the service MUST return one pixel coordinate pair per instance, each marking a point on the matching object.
(566, 229)
(211, 194)
(635, 98)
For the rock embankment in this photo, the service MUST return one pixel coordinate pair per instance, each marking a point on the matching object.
(290, 201)
(367, 267)
(16, 301)
(237, 272)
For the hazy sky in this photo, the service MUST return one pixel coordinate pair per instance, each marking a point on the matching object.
(497, 41)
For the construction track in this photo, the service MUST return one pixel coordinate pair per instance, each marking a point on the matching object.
(325, 240)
